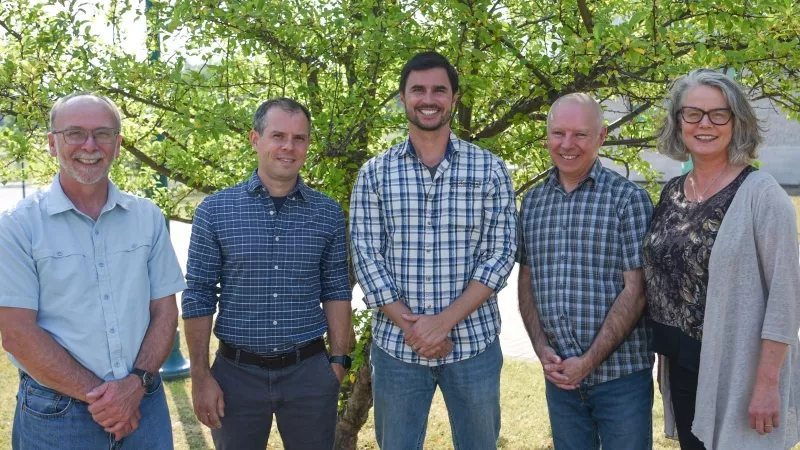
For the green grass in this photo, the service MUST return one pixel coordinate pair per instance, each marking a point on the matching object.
(525, 425)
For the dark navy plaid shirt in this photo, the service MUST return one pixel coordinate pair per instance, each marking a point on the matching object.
(269, 271)
(577, 245)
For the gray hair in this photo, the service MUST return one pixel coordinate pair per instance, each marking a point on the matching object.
(578, 98)
(63, 100)
(747, 133)
(289, 105)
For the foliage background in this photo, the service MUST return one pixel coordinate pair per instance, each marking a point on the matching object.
(189, 96)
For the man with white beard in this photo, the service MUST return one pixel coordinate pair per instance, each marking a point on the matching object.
(87, 309)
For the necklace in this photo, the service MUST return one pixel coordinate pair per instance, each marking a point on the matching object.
(694, 183)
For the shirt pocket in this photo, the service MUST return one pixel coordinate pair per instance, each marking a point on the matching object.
(127, 259)
(60, 264)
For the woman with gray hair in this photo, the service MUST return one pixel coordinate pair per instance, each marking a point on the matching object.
(722, 278)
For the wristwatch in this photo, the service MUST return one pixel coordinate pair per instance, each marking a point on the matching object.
(146, 377)
(344, 360)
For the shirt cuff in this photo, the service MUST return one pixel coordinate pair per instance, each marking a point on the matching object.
(163, 291)
(382, 297)
(193, 307)
(13, 301)
(490, 278)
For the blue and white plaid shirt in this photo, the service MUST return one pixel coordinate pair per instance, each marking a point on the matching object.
(421, 240)
(577, 245)
(273, 268)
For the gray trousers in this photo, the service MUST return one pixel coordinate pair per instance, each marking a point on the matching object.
(303, 398)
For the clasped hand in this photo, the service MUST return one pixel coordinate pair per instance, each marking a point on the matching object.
(114, 405)
(428, 336)
(565, 374)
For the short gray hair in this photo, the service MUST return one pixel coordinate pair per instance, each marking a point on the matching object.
(287, 104)
(578, 98)
(747, 133)
(61, 101)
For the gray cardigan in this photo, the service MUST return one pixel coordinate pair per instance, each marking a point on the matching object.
(753, 294)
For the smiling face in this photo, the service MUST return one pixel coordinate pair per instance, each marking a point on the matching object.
(428, 99)
(704, 139)
(282, 146)
(574, 138)
(90, 162)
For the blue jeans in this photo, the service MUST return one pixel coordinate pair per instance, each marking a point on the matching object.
(616, 413)
(402, 395)
(46, 419)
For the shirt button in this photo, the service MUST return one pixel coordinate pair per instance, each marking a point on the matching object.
(96, 232)
(272, 213)
(563, 318)
(101, 265)
(105, 297)
(277, 238)
(59, 253)
(274, 322)
(276, 267)
(428, 223)
(428, 250)
(430, 196)
(112, 331)
(275, 349)
(563, 257)
(275, 295)
(428, 278)
(561, 286)
(133, 246)
(116, 364)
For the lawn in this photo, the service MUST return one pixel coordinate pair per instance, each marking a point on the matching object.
(524, 413)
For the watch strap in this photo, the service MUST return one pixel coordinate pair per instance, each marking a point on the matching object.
(344, 360)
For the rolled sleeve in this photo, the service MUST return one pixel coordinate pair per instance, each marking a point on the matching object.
(334, 277)
(367, 238)
(499, 233)
(166, 277)
(17, 268)
(634, 221)
(203, 267)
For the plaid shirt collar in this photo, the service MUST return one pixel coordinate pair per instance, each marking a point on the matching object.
(406, 148)
(595, 175)
(300, 191)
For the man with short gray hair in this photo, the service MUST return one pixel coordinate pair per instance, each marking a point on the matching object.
(87, 309)
(581, 289)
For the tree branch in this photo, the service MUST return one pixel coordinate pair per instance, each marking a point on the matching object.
(642, 142)
(527, 185)
(5, 26)
(586, 15)
(628, 117)
(149, 162)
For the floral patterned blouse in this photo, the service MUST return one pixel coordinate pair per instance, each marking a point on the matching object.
(675, 258)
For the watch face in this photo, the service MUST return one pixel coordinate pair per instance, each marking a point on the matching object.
(147, 379)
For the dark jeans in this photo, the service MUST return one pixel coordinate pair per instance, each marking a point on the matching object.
(616, 413)
(683, 388)
(303, 398)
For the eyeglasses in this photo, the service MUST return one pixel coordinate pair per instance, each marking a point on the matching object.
(79, 137)
(717, 116)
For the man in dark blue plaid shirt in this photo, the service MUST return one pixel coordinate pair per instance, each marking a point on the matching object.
(271, 253)
(433, 224)
(581, 290)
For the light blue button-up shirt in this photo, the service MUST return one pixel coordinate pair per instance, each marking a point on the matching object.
(90, 282)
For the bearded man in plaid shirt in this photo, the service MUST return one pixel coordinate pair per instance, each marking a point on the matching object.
(581, 289)
(433, 224)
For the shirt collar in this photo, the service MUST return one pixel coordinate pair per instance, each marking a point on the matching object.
(407, 148)
(58, 202)
(594, 175)
(300, 191)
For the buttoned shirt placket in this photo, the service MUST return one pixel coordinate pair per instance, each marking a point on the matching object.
(118, 365)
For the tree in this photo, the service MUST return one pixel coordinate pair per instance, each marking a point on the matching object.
(187, 115)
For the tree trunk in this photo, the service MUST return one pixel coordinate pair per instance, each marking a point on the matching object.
(358, 406)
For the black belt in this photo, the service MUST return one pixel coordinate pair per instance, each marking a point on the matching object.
(276, 361)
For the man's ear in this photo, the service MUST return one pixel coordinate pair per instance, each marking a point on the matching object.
(51, 140)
